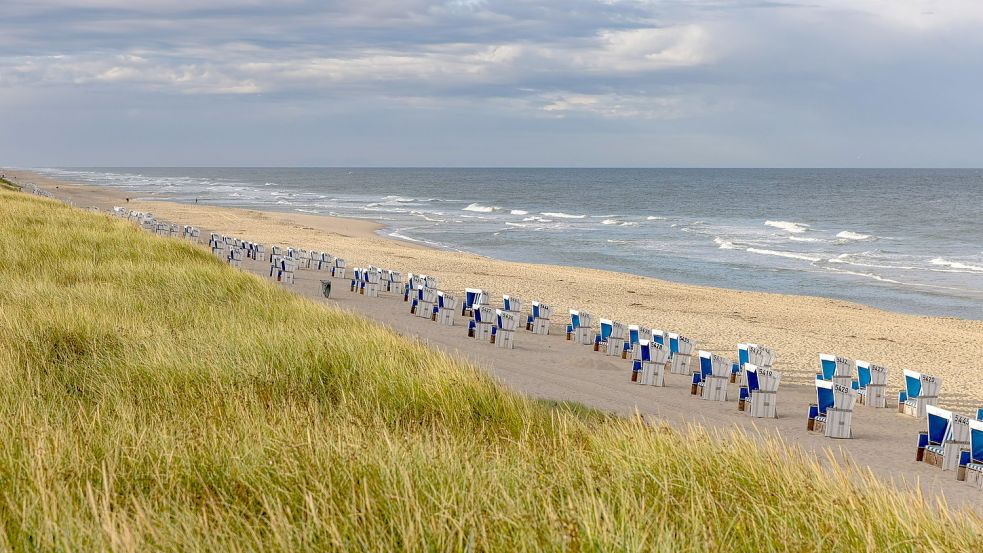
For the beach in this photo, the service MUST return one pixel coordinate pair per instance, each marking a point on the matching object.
(797, 328)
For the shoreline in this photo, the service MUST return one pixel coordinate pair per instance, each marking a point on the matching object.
(797, 327)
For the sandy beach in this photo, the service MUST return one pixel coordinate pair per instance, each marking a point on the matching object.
(798, 328)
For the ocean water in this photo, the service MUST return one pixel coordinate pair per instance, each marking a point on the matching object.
(900, 239)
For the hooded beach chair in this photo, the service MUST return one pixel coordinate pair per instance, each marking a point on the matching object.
(511, 304)
(636, 334)
(832, 414)
(947, 434)
(481, 324)
(754, 354)
(579, 329)
(871, 384)
(394, 282)
(611, 338)
(649, 363)
(506, 324)
(539, 321)
(235, 257)
(473, 298)
(971, 458)
(710, 382)
(836, 369)
(680, 354)
(920, 390)
(338, 270)
(427, 302)
(759, 398)
(446, 305)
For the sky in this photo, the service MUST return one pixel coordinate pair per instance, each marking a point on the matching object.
(626, 83)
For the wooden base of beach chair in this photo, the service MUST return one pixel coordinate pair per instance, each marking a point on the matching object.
(762, 405)
(614, 346)
(837, 424)
(652, 375)
(973, 476)
(482, 332)
(874, 396)
(582, 336)
(503, 339)
(680, 364)
(541, 326)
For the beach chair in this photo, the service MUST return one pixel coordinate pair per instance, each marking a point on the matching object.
(759, 398)
(483, 319)
(235, 257)
(394, 282)
(579, 329)
(836, 369)
(710, 382)
(611, 337)
(754, 354)
(511, 304)
(920, 391)
(504, 332)
(427, 302)
(539, 321)
(832, 414)
(946, 435)
(473, 298)
(871, 384)
(979, 414)
(635, 336)
(649, 363)
(338, 270)
(971, 458)
(681, 354)
(282, 270)
(446, 305)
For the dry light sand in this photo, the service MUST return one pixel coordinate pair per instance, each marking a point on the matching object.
(798, 328)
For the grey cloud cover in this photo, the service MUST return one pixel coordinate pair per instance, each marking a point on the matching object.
(473, 82)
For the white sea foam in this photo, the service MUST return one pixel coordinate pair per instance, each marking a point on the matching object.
(654, 218)
(539, 219)
(610, 222)
(802, 239)
(481, 208)
(788, 226)
(867, 275)
(561, 215)
(518, 212)
(848, 235)
(400, 199)
(724, 244)
(790, 255)
(960, 267)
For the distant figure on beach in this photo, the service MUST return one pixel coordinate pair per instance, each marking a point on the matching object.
(196, 200)
(127, 200)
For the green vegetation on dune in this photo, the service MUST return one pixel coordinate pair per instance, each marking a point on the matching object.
(153, 398)
(7, 185)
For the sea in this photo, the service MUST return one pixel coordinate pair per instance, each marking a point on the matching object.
(908, 240)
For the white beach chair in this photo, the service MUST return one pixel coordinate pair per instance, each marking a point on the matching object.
(871, 384)
(649, 363)
(759, 398)
(235, 257)
(611, 338)
(836, 369)
(446, 305)
(473, 298)
(681, 354)
(971, 458)
(710, 382)
(947, 434)
(483, 319)
(832, 414)
(394, 282)
(503, 335)
(338, 270)
(579, 329)
(427, 302)
(636, 334)
(511, 304)
(754, 354)
(920, 391)
(539, 321)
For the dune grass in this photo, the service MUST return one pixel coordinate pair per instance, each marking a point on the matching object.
(7, 185)
(153, 398)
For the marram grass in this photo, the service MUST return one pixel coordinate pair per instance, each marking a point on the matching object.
(152, 398)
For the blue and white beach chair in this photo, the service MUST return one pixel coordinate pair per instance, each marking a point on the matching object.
(338, 270)
(832, 414)
(759, 398)
(754, 354)
(920, 390)
(710, 382)
(836, 369)
(681, 354)
(511, 304)
(947, 434)
(504, 332)
(482, 322)
(446, 306)
(235, 257)
(579, 330)
(473, 297)
(539, 321)
(649, 363)
(614, 342)
(971, 459)
(871, 384)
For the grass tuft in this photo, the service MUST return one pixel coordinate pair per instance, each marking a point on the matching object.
(152, 398)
